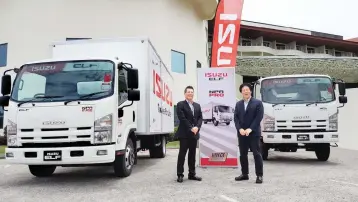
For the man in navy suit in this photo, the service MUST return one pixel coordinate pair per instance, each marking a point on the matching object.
(248, 115)
(190, 121)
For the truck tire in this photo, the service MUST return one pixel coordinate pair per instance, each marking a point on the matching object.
(227, 123)
(264, 150)
(123, 164)
(322, 152)
(294, 149)
(205, 122)
(216, 123)
(42, 170)
(159, 152)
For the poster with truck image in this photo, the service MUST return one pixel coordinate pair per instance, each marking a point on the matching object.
(218, 145)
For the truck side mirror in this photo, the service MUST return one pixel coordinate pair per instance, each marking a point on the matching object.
(4, 101)
(133, 95)
(120, 113)
(342, 88)
(6, 84)
(132, 78)
(342, 99)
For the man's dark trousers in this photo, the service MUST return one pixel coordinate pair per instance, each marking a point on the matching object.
(185, 145)
(252, 142)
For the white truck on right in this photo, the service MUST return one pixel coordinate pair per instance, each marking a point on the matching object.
(300, 111)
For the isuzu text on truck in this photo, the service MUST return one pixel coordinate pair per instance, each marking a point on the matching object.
(300, 111)
(95, 102)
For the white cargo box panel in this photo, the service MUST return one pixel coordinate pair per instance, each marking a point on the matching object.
(155, 108)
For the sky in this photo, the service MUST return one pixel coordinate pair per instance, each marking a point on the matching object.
(328, 16)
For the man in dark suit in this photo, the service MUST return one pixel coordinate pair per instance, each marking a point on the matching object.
(190, 117)
(248, 115)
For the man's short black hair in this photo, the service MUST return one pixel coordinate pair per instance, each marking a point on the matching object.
(245, 84)
(188, 87)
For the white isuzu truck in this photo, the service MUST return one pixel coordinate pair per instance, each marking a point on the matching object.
(95, 102)
(300, 111)
(217, 113)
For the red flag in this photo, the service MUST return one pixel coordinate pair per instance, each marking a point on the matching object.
(226, 33)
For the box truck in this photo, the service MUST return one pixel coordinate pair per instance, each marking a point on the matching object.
(95, 102)
(300, 111)
(217, 113)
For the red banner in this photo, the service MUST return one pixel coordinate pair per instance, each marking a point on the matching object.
(226, 33)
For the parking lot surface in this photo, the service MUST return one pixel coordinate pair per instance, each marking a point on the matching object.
(288, 177)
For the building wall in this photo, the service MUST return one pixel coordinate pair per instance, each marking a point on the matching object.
(28, 27)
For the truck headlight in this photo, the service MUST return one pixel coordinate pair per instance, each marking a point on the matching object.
(11, 132)
(333, 122)
(268, 123)
(103, 130)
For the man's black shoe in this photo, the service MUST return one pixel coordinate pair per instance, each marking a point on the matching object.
(195, 178)
(180, 179)
(259, 179)
(242, 177)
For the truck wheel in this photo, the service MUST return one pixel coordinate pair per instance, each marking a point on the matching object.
(322, 152)
(123, 164)
(205, 122)
(216, 123)
(159, 152)
(42, 170)
(294, 149)
(227, 123)
(264, 150)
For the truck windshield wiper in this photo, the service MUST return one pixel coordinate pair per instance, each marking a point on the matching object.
(273, 105)
(38, 97)
(85, 96)
(308, 104)
(294, 100)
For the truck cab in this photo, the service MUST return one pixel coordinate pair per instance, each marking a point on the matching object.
(300, 111)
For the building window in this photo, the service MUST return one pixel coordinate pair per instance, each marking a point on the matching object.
(246, 42)
(267, 44)
(280, 46)
(198, 64)
(310, 50)
(178, 62)
(338, 54)
(3, 55)
(73, 39)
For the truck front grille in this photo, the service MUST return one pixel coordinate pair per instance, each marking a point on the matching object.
(57, 144)
(297, 126)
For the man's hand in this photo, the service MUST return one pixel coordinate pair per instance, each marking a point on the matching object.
(242, 132)
(195, 130)
(248, 131)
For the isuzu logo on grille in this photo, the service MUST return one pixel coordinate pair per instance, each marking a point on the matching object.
(53, 122)
(301, 117)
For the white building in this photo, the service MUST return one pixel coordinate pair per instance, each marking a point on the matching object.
(177, 29)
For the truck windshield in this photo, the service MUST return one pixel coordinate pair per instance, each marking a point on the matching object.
(62, 81)
(297, 90)
(224, 109)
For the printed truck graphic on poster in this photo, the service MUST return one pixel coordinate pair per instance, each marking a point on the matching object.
(217, 113)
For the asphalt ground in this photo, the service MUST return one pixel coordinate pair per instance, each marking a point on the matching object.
(288, 177)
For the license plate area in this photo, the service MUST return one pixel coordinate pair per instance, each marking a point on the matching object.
(52, 155)
(303, 137)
